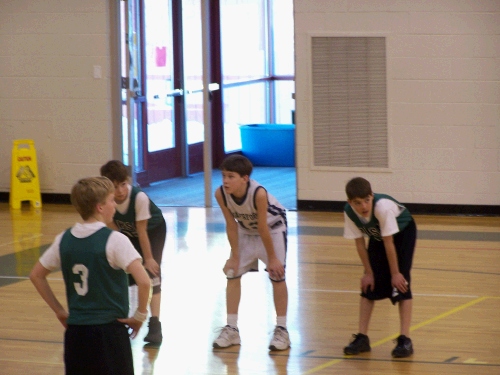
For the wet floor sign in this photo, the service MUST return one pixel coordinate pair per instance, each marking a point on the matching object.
(24, 181)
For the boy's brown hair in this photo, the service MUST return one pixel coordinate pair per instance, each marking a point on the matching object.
(115, 170)
(237, 163)
(88, 192)
(358, 187)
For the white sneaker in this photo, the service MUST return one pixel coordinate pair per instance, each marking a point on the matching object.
(280, 340)
(228, 336)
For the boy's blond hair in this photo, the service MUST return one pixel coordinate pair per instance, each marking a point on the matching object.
(88, 192)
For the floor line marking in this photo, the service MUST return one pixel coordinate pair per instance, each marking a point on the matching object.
(32, 237)
(415, 294)
(27, 277)
(412, 328)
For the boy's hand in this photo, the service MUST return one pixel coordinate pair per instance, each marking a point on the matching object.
(133, 324)
(275, 269)
(63, 317)
(151, 265)
(367, 283)
(399, 282)
(231, 264)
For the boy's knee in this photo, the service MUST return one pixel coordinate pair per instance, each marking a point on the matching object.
(156, 289)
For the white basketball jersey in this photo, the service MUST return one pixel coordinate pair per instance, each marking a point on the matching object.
(245, 213)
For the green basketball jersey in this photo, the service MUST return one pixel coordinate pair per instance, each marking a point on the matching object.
(96, 292)
(372, 227)
(126, 221)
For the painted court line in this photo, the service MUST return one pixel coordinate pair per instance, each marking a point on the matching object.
(412, 328)
(24, 239)
(415, 294)
(27, 277)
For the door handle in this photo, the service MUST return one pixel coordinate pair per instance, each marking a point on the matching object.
(211, 87)
(176, 92)
(138, 97)
(180, 92)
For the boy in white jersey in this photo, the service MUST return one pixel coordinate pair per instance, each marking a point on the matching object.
(386, 261)
(256, 228)
(94, 261)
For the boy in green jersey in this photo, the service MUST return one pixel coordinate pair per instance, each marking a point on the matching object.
(143, 223)
(386, 261)
(95, 261)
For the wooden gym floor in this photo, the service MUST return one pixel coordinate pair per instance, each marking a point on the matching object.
(455, 326)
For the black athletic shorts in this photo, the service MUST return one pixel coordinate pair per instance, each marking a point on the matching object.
(157, 237)
(102, 349)
(404, 242)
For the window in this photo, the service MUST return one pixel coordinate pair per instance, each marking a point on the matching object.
(257, 41)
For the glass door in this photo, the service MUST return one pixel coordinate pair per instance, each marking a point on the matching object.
(165, 97)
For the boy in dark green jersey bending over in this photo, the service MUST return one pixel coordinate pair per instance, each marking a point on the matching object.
(143, 223)
(386, 261)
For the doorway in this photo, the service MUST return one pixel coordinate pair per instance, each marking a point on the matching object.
(162, 56)
(161, 53)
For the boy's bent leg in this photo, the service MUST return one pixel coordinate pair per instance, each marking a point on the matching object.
(233, 295)
(155, 335)
(280, 295)
(230, 334)
(155, 304)
(281, 338)
(365, 314)
(361, 342)
(405, 311)
(157, 240)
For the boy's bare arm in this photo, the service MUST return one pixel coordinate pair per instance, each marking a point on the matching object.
(38, 277)
(149, 263)
(274, 266)
(367, 280)
(363, 255)
(398, 280)
(231, 232)
(143, 282)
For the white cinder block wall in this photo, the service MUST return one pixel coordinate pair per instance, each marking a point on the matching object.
(443, 93)
(48, 50)
(443, 81)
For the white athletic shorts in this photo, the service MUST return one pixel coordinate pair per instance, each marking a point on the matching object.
(252, 249)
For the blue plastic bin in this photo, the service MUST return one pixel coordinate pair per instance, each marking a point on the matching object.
(269, 145)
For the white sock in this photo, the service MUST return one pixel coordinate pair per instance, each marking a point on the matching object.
(232, 320)
(281, 321)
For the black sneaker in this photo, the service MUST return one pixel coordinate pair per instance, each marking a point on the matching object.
(154, 335)
(360, 344)
(404, 347)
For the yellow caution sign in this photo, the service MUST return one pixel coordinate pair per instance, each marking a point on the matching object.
(24, 181)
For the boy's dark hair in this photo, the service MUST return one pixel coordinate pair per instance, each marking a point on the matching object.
(88, 192)
(358, 187)
(115, 170)
(237, 163)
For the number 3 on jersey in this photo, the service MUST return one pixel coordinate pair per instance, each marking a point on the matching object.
(83, 287)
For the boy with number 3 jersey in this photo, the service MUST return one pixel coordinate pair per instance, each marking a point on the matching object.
(95, 261)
